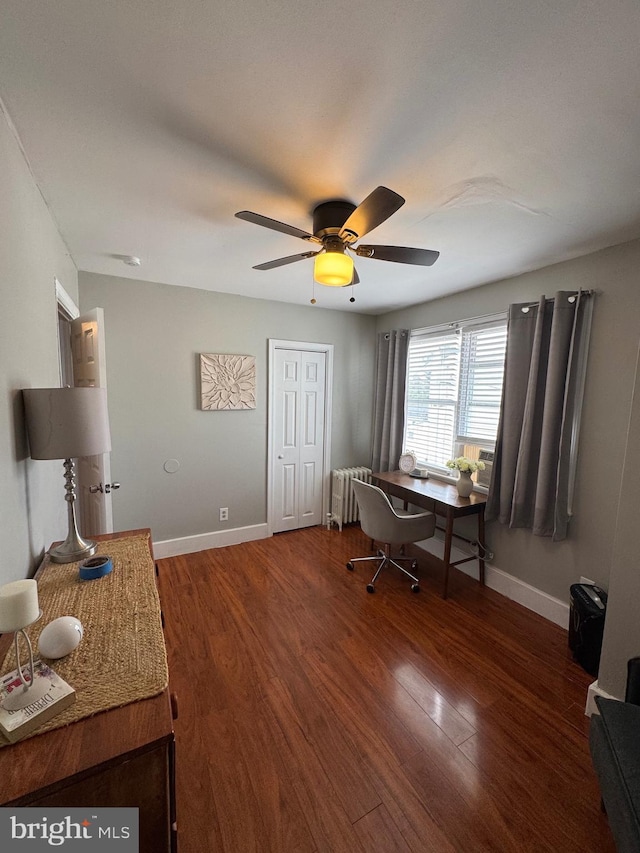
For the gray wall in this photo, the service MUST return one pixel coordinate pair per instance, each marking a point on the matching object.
(32, 506)
(622, 626)
(154, 334)
(613, 273)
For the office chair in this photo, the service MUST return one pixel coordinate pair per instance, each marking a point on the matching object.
(383, 523)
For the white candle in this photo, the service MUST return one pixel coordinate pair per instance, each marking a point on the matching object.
(18, 605)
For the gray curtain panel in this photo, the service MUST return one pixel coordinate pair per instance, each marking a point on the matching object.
(536, 446)
(388, 411)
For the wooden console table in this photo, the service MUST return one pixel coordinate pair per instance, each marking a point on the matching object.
(444, 500)
(121, 757)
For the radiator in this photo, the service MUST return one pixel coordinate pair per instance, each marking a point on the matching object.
(344, 507)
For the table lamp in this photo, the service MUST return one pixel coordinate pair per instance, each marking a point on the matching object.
(19, 608)
(64, 423)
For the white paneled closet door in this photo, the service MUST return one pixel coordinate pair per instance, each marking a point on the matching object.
(298, 447)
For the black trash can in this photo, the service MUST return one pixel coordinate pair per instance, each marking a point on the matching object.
(587, 613)
(632, 693)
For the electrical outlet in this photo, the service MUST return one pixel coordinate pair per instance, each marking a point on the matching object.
(224, 513)
(586, 580)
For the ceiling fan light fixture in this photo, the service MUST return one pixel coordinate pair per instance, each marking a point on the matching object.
(337, 226)
(334, 269)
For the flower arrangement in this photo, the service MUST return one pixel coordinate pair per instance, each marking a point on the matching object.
(467, 466)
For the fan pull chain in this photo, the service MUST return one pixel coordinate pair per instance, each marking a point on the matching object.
(313, 291)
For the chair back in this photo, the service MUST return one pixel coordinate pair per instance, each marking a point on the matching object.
(378, 519)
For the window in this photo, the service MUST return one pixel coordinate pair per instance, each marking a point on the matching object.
(454, 388)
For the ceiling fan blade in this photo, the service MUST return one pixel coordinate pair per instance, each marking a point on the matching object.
(399, 254)
(258, 219)
(280, 262)
(375, 209)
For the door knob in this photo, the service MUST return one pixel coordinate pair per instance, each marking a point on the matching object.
(280, 455)
(111, 487)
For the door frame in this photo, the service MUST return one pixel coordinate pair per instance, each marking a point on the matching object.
(67, 308)
(86, 477)
(67, 311)
(304, 346)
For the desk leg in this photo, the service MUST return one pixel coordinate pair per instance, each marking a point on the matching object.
(448, 536)
(481, 544)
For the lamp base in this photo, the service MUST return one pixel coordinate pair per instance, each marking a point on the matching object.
(74, 547)
(72, 551)
(17, 700)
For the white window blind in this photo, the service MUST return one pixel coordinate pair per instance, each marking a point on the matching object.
(481, 371)
(454, 388)
(432, 395)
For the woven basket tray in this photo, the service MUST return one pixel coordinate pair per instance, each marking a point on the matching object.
(122, 656)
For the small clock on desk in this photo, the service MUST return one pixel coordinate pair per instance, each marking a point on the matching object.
(407, 462)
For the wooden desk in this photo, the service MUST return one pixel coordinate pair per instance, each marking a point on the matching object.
(120, 757)
(443, 500)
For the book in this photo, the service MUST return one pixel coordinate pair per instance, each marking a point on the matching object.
(15, 725)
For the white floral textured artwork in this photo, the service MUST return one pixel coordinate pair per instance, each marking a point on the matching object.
(227, 382)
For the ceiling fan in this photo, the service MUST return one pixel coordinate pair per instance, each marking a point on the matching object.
(337, 226)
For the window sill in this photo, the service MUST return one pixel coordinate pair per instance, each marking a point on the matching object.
(445, 478)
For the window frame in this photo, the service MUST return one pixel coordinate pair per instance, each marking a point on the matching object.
(498, 320)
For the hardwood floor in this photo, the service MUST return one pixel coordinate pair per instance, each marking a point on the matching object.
(316, 717)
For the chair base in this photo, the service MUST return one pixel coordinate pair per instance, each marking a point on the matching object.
(384, 559)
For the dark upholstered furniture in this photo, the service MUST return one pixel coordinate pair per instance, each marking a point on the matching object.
(614, 739)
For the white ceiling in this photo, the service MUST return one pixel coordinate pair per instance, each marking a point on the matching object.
(512, 129)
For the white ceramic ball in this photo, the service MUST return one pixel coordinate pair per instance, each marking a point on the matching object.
(60, 637)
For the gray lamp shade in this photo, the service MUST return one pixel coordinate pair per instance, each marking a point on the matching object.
(67, 422)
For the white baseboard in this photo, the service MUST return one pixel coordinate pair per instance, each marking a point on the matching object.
(204, 541)
(540, 602)
(595, 690)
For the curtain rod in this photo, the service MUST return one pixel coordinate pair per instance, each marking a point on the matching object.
(572, 298)
(495, 315)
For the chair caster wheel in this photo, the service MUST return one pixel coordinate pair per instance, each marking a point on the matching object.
(370, 587)
(415, 587)
(350, 566)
